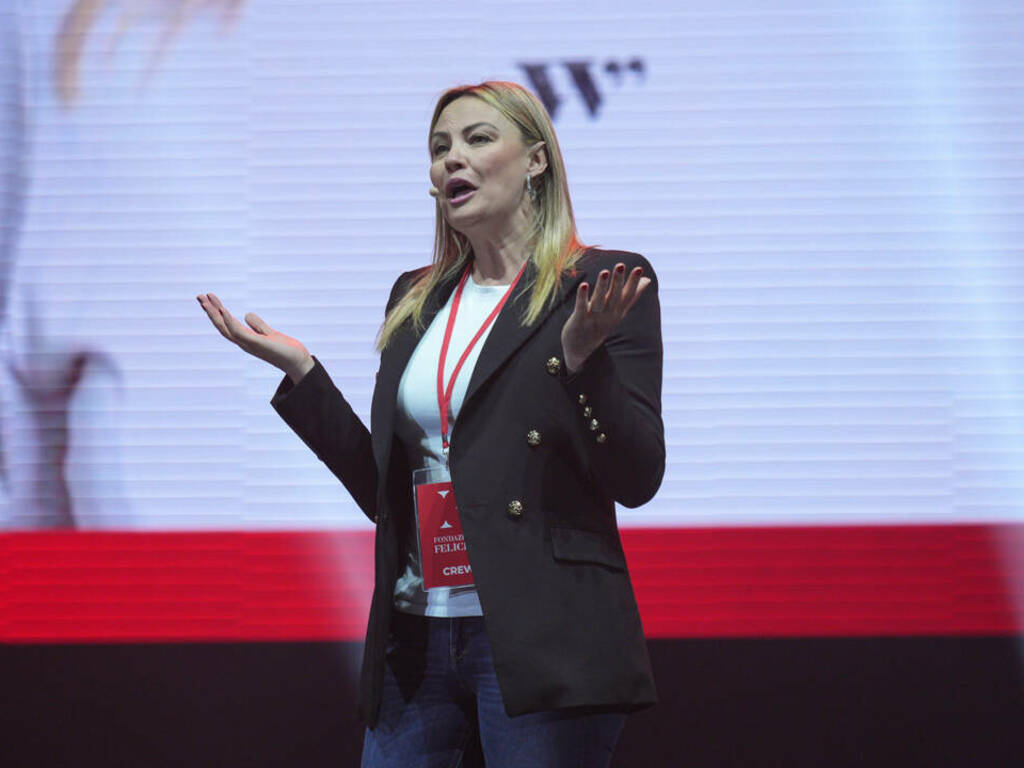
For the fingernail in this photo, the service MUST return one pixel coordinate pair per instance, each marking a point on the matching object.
(620, 268)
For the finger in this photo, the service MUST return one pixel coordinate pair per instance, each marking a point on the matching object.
(629, 289)
(232, 329)
(228, 318)
(600, 292)
(256, 323)
(582, 294)
(640, 288)
(216, 302)
(614, 299)
(215, 316)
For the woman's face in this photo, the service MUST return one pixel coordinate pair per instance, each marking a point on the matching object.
(478, 165)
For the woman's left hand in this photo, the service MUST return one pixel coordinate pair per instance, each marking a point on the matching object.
(594, 318)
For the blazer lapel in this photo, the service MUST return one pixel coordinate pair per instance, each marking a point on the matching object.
(509, 333)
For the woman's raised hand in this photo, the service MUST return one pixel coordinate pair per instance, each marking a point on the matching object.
(262, 341)
(593, 318)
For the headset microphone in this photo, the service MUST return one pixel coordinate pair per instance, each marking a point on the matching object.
(434, 192)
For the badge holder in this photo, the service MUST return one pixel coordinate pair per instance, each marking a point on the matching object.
(444, 561)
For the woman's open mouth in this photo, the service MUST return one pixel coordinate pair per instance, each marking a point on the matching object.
(459, 191)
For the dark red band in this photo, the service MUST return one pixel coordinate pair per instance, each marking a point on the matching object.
(704, 582)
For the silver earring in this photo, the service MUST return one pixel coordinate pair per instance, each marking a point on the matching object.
(530, 189)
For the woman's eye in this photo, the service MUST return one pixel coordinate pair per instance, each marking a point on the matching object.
(479, 136)
(439, 148)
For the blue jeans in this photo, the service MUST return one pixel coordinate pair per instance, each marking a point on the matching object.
(441, 694)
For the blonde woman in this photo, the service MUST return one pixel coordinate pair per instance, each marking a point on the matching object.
(518, 399)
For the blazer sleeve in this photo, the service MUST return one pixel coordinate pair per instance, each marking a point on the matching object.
(620, 382)
(318, 413)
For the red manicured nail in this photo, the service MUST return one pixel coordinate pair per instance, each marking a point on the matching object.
(620, 268)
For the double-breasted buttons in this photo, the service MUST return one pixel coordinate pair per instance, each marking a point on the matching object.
(515, 508)
(553, 365)
(533, 438)
(592, 424)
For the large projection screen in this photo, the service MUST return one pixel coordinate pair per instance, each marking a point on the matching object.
(830, 193)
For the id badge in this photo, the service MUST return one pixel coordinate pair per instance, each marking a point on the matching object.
(444, 561)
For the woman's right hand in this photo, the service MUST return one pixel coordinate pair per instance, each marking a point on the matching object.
(262, 341)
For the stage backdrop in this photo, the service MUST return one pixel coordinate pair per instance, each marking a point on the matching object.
(831, 196)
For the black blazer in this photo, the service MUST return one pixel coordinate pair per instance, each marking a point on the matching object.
(539, 519)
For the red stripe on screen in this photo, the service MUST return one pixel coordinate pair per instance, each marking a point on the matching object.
(690, 582)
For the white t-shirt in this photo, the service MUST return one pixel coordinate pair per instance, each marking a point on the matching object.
(418, 424)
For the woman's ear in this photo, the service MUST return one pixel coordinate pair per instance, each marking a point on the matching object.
(538, 159)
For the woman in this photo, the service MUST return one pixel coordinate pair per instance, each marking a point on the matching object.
(502, 599)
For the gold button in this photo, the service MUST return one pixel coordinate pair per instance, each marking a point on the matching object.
(583, 399)
(587, 411)
(515, 508)
(602, 438)
(533, 437)
(553, 365)
(593, 425)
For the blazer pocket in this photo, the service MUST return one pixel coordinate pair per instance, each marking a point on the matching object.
(575, 545)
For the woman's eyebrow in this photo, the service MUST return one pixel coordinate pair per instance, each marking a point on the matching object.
(467, 129)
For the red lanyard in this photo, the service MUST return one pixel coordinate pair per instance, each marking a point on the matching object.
(444, 394)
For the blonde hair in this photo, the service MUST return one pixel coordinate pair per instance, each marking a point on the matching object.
(552, 240)
(83, 14)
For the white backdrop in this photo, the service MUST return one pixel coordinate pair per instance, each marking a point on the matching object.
(831, 196)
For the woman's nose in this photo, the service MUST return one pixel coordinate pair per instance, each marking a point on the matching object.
(453, 159)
